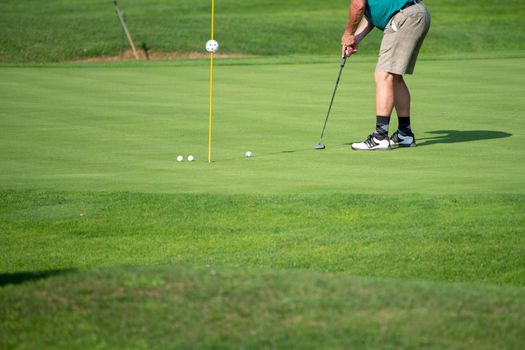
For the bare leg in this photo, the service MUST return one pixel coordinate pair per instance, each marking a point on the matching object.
(401, 97)
(384, 93)
(384, 106)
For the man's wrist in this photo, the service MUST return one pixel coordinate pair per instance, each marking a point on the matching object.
(348, 34)
(349, 30)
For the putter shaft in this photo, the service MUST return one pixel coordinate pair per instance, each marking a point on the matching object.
(343, 61)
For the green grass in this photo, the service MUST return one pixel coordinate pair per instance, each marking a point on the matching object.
(108, 242)
(291, 248)
(89, 128)
(451, 238)
(58, 30)
(167, 307)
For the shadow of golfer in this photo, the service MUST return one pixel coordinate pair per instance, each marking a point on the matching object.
(454, 136)
(22, 277)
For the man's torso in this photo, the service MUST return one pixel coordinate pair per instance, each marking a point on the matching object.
(378, 12)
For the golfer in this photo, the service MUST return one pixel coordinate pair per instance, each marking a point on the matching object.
(404, 25)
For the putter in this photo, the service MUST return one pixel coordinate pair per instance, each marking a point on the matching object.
(321, 145)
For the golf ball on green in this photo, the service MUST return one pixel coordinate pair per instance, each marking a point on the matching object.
(180, 158)
(191, 158)
(248, 154)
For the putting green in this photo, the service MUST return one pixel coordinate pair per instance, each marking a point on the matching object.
(121, 127)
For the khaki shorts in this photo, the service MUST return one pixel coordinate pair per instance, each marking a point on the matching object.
(402, 39)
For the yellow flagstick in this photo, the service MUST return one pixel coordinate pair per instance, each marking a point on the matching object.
(211, 79)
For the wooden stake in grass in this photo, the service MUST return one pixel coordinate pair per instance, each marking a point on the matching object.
(211, 80)
(125, 27)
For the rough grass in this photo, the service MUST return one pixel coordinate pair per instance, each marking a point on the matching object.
(437, 238)
(168, 307)
(58, 30)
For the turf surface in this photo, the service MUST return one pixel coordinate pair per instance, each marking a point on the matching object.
(108, 242)
(103, 128)
(89, 181)
(57, 30)
(167, 307)
(437, 238)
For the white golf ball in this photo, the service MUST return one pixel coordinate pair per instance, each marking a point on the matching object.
(248, 154)
(180, 158)
(191, 158)
(212, 46)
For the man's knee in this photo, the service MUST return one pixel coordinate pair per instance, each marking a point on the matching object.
(384, 78)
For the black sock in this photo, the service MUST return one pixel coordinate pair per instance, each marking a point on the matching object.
(381, 132)
(404, 125)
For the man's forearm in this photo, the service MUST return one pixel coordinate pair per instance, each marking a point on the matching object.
(355, 15)
(364, 28)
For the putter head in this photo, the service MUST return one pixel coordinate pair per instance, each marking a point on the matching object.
(320, 146)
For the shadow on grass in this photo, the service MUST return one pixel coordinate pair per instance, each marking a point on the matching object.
(23, 277)
(454, 136)
(442, 136)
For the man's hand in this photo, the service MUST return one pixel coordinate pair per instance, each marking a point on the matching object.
(351, 36)
(349, 44)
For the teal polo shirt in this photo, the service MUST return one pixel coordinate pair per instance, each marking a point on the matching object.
(378, 12)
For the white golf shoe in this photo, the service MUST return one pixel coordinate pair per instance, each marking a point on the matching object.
(400, 140)
(371, 144)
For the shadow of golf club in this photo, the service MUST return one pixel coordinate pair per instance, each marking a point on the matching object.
(265, 154)
(289, 151)
(456, 136)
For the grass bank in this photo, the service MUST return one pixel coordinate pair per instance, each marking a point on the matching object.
(59, 30)
(170, 307)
